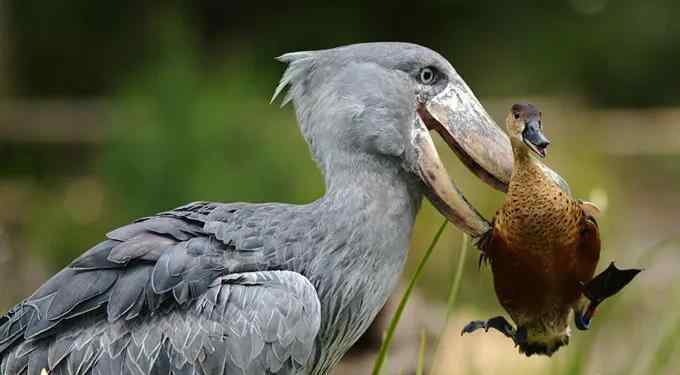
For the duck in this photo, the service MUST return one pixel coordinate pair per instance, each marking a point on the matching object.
(543, 250)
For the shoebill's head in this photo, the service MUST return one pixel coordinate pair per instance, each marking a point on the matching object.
(371, 102)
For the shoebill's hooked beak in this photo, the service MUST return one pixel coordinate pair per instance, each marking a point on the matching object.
(472, 135)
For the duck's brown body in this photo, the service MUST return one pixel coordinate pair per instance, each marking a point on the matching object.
(543, 248)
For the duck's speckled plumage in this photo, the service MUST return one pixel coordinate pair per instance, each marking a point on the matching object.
(552, 220)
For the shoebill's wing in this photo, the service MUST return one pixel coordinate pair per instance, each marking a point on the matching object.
(172, 289)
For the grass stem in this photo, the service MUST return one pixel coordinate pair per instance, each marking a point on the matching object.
(453, 294)
(421, 353)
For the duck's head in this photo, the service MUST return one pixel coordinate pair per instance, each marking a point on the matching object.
(525, 128)
(543, 337)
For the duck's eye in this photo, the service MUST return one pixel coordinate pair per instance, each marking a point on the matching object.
(516, 116)
(428, 76)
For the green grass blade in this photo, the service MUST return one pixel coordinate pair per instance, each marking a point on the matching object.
(666, 346)
(453, 293)
(421, 353)
(455, 285)
(386, 359)
(380, 361)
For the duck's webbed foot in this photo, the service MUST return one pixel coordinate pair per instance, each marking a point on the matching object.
(601, 287)
(608, 282)
(500, 324)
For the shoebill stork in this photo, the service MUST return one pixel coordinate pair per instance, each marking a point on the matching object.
(240, 288)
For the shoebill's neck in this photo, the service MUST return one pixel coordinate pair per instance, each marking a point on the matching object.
(368, 214)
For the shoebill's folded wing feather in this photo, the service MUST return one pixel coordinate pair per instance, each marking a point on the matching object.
(176, 290)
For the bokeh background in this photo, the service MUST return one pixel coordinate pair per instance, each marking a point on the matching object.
(113, 110)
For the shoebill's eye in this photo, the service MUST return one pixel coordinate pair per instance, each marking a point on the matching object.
(428, 76)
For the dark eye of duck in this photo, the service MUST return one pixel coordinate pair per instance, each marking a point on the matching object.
(428, 76)
(516, 115)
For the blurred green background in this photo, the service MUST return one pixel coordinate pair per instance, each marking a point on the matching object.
(111, 111)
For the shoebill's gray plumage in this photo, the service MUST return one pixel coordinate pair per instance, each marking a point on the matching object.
(238, 288)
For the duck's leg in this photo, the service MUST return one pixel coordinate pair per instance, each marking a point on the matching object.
(601, 287)
(498, 323)
(501, 325)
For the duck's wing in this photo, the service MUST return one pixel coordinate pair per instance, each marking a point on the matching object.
(590, 208)
(608, 282)
(589, 237)
(187, 289)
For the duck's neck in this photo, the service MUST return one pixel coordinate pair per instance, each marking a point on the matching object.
(526, 170)
(535, 207)
(520, 154)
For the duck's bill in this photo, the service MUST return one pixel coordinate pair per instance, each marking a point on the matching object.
(540, 151)
(534, 138)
